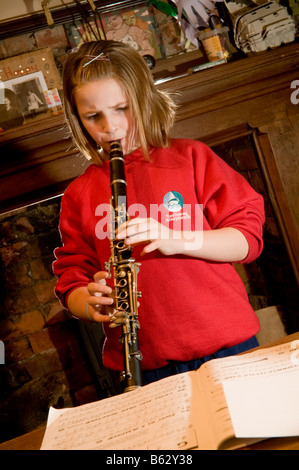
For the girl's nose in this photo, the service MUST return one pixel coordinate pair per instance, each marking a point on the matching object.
(109, 125)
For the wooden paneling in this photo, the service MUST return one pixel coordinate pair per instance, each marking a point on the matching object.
(38, 160)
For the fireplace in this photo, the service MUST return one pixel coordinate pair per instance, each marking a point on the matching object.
(44, 363)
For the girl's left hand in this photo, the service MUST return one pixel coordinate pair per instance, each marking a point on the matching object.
(227, 244)
(148, 230)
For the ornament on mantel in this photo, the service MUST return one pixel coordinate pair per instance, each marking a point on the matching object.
(194, 14)
(47, 12)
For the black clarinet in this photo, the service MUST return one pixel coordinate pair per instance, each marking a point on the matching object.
(125, 271)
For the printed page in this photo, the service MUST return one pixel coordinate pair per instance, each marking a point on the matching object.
(264, 401)
(264, 406)
(186, 411)
(230, 382)
(157, 416)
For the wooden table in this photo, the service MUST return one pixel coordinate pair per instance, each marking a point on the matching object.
(33, 439)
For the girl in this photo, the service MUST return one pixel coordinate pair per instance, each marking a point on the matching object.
(192, 217)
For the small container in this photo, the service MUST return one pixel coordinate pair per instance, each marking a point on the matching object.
(213, 41)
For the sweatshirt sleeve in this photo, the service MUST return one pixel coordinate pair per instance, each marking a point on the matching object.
(76, 261)
(230, 201)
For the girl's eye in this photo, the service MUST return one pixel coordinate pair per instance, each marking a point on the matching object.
(123, 108)
(93, 116)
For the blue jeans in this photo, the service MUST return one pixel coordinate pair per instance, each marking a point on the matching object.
(174, 367)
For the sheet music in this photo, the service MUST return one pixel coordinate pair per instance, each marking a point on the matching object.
(159, 416)
(261, 391)
(264, 406)
(278, 360)
(185, 411)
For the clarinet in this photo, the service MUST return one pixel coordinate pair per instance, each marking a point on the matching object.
(125, 271)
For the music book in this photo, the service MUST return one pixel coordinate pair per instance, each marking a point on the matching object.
(227, 403)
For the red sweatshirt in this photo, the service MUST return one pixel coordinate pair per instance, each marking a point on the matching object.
(189, 307)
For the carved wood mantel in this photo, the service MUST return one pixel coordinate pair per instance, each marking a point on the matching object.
(250, 96)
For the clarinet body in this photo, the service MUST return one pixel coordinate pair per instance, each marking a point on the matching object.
(125, 271)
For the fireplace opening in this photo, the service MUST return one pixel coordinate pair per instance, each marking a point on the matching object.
(270, 280)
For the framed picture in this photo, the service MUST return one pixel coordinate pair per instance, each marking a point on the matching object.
(41, 60)
(29, 91)
(23, 99)
(147, 29)
(26, 84)
(10, 111)
(136, 27)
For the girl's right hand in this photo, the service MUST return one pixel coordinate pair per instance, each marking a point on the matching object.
(100, 303)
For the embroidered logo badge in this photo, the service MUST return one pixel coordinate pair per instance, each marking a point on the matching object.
(173, 201)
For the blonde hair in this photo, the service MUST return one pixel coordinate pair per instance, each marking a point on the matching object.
(152, 109)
